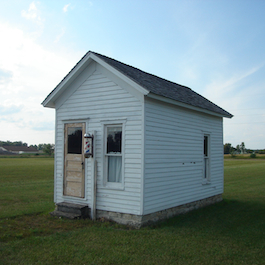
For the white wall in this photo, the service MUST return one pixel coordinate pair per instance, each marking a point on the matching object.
(98, 98)
(174, 156)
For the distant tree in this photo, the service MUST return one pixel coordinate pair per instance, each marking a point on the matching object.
(48, 149)
(40, 146)
(227, 148)
(3, 143)
(242, 148)
(19, 143)
(34, 146)
(238, 149)
(16, 143)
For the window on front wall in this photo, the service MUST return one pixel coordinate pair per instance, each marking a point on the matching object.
(113, 153)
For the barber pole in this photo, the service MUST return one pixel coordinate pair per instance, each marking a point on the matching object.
(88, 147)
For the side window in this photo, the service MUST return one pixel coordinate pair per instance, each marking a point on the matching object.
(206, 158)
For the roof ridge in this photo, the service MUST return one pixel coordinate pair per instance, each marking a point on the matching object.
(138, 69)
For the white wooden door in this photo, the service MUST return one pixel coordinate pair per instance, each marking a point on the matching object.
(74, 180)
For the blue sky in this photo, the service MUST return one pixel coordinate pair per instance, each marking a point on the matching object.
(214, 47)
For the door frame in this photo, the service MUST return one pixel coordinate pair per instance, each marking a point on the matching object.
(75, 123)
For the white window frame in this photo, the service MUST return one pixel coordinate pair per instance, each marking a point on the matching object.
(105, 125)
(206, 160)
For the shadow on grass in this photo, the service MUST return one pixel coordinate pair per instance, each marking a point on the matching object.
(229, 218)
(223, 214)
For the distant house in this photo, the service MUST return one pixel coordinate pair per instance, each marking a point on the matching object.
(3, 151)
(158, 145)
(20, 149)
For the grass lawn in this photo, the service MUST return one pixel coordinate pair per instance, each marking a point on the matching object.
(26, 186)
(230, 232)
(244, 156)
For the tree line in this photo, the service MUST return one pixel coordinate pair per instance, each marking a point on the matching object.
(49, 148)
(46, 148)
(240, 149)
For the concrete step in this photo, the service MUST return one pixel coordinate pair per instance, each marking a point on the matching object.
(65, 215)
(71, 210)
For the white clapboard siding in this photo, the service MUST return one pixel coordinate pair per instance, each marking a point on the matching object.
(174, 156)
(96, 100)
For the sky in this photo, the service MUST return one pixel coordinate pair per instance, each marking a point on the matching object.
(217, 48)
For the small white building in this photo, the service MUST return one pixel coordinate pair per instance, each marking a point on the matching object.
(158, 146)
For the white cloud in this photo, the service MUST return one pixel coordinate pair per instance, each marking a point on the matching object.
(230, 83)
(5, 76)
(28, 74)
(58, 37)
(236, 94)
(224, 91)
(32, 13)
(65, 8)
(9, 109)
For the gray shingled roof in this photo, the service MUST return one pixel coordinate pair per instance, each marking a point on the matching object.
(157, 85)
(162, 87)
(20, 148)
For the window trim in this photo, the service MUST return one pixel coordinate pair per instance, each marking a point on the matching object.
(105, 125)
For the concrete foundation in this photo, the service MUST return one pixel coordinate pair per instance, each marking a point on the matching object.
(141, 220)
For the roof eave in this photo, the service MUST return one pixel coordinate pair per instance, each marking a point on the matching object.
(187, 106)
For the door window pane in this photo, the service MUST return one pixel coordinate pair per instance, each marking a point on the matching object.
(74, 140)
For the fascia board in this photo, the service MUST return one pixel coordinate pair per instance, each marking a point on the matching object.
(187, 106)
(68, 79)
(120, 75)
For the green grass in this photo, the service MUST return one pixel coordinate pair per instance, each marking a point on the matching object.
(26, 186)
(244, 156)
(230, 232)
